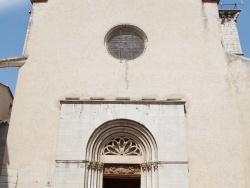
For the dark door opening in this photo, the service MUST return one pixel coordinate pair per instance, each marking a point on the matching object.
(121, 176)
(121, 182)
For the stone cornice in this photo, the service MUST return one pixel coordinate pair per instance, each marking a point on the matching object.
(229, 15)
(13, 62)
(143, 102)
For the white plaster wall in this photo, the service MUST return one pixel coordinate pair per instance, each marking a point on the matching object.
(184, 58)
(238, 79)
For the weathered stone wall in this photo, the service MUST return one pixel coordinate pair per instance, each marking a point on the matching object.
(4, 126)
(5, 101)
(8, 177)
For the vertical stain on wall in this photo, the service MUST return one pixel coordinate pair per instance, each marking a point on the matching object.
(126, 74)
(204, 16)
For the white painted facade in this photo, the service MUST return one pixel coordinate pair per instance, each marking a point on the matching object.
(201, 140)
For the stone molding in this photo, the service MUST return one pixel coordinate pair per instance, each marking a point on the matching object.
(229, 15)
(94, 165)
(107, 101)
(13, 62)
(120, 128)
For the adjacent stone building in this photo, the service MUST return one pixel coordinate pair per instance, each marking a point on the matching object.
(138, 94)
(6, 100)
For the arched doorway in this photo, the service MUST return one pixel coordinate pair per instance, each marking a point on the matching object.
(122, 154)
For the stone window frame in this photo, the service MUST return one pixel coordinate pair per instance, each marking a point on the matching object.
(136, 29)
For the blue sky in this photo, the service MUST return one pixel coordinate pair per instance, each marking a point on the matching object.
(14, 16)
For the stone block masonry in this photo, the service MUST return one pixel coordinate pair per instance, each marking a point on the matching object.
(4, 126)
(229, 33)
(8, 178)
(79, 119)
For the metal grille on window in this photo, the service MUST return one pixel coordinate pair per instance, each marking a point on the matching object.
(126, 43)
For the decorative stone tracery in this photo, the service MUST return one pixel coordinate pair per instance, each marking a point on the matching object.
(121, 146)
(126, 42)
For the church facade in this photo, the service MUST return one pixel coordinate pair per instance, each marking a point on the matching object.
(130, 94)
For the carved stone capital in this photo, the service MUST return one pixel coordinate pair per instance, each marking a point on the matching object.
(155, 166)
(100, 166)
(149, 166)
(143, 166)
(94, 165)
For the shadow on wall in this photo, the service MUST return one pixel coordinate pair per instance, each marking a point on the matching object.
(4, 179)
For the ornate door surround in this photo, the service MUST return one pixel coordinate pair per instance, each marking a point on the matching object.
(121, 148)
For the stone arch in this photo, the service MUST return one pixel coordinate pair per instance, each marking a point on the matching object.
(125, 127)
(139, 135)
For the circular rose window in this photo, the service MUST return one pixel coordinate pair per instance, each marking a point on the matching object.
(125, 42)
